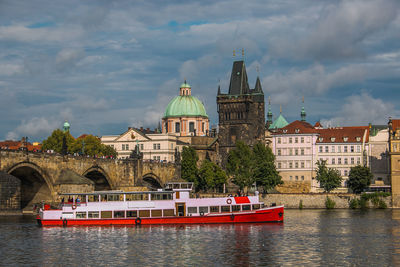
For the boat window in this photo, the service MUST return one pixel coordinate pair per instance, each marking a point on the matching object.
(203, 209)
(80, 215)
(119, 214)
(225, 208)
(256, 206)
(161, 196)
(156, 213)
(80, 198)
(246, 207)
(262, 205)
(176, 186)
(184, 186)
(131, 213)
(144, 213)
(93, 214)
(106, 214)
(235, 207)
(133, 197)
(214, 209)
(93, 198)
(168, 213)
(192, 209)
(112, 197)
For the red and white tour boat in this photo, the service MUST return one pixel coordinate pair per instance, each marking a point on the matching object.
(172, 205)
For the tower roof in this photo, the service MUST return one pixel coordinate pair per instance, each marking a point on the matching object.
(239, 84)
(280, 122)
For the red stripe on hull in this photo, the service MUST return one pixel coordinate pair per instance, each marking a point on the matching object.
(267, 215)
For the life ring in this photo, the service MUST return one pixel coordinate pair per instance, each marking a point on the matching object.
(73, 206)
(138, 221)
(280, 214)
(232, 216)
(65, 223)
(229, 201)
(201, 213)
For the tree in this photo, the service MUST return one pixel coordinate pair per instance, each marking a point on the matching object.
(189, 164)
(240, 165)
(210, 175)
(55, 141)
(328, 178)
(264, 172)
(359, 178)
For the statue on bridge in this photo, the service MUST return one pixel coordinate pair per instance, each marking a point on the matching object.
(136, 154)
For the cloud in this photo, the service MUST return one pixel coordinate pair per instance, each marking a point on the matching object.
(33, 128)
(362, 109)
(9, 69)
(68, 58)
(315, 80)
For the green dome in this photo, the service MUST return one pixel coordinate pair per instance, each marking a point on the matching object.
(186, 105)
(280, 122)
(66, 124)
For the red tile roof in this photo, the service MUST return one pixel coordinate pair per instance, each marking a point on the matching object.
(340, 134)
(15, 145)
(395, 124)
(296, 127)
(317, 125)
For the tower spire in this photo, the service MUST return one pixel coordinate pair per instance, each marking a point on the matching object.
(269, 114)
(303, 111)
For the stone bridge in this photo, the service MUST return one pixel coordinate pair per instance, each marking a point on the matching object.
(41, 176)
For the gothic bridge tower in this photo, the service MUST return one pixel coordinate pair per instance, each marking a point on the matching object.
(241, 112)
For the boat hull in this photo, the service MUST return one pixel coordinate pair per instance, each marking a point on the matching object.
(273, 214)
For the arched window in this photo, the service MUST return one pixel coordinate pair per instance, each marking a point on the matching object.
(177, 127)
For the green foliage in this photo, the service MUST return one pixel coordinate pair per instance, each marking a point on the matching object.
(382, 204)
(55, 141)
(301, 204)
(249, 166)
(240, 165)
(92, 144)
(210, 176)
(359, 178)
(376, 199)
(354, 203)
(189, 165)
(328, 178)
(329, 203)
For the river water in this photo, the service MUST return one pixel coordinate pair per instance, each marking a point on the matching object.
(307, 237)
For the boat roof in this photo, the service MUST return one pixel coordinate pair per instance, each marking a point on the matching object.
(118, 192)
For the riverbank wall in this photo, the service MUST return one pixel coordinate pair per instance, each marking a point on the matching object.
(314, 201)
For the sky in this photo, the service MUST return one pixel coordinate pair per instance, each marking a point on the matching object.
(108, 65)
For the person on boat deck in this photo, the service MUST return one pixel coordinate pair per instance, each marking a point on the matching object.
(77, 200)
(69, 199)
(62, 201)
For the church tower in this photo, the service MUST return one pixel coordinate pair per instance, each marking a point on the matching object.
(241, 112)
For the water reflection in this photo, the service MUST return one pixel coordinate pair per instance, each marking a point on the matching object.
(308, 237)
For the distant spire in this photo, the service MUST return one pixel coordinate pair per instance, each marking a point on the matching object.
(280, 109)
(219, 89)
(258, 88)
(269, 114)
(303, 112)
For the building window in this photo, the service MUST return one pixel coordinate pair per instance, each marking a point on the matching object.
(279, 152)
(352, 149)
(177, 127)
(279, 140)
(358, 139)
(290, 151)
(290, 165)
(202, 127)
(332, 139)
(123, 146)
(345, 172)
(302, 177)
(321, 139)
(156, 146)
(326, 149)
(358, 161)
(352, 161)
(332, 148)
(141, 146)
(290, 140)
(302, 151)
(345, 149)
(333, 160)
(345, 139)
(296, 152)
(297, 178)
(191, 127)
(296, 139)
(112, 146)
(358, 149)
(290, 177)
(339, 161)
(279, 165)
(346, 161)
(339, 149)
(301, 139)
(296, 165)
(302, 164)
(320, 149)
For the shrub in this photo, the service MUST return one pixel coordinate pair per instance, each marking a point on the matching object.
(354, 203)
(301, 204)
(329, 203)
(382, 204)
(363, 203)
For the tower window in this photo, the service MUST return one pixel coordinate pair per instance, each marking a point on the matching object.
(177, 127)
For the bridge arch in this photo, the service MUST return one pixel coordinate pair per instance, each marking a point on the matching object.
(99, 177)
(151, 181)
(35, 186)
